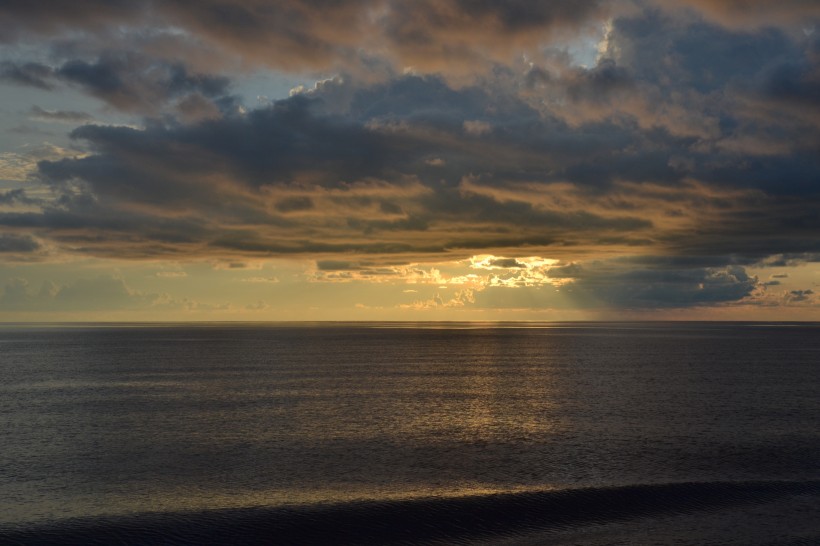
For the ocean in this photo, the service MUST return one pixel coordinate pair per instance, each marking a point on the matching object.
(410, 433)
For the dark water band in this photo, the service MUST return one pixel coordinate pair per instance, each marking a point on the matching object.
(455, 519)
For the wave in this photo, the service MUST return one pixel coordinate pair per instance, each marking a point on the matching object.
(452, 519)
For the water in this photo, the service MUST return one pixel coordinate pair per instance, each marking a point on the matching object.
(624, 433)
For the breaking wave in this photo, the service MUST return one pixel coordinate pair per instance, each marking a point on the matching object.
(450, 520)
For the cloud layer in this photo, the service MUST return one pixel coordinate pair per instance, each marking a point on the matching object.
(680, 135)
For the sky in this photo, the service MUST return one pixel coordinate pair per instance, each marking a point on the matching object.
(256, 160)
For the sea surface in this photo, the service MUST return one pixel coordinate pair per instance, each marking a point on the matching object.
(411, 433)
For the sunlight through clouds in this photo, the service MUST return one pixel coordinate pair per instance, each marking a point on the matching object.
(647, 157)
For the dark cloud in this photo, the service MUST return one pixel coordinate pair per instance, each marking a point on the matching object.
(21, 16)
(27, 74)
(294, 204)
(337, 265)
(751, 13)
(790, 260)
(16, 196)
(506, 263)
(304, 33)
(529, 180)
(514, 15)
(268, 146)
(799, 296)
(11, 243)
(599, 83)
(134, 82)
(454, 36)
(602, 284)
(793, 83)
(129, 81)
(450, 127)
(651, 288)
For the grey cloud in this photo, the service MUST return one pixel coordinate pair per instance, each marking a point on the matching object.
(609, 284)
(506, 263)
(23, 129)
(16, 196)
(411, 223)
(390, 208)
(134, 82)
(652, 288)
(693, 138)
(61, 116)
(27, 74)
(516, 14)
(523, 214)
(294, 204)
(128, 81)
(421, 31)
(754, 13)
(433, 36)
(12, 243)
(268, 146)
(20, 16)
(598, 83)
(741, 89)
(337, 265)
(798, 296)
(794, 83)
(386, 135)
(790, 259)
(298, 33)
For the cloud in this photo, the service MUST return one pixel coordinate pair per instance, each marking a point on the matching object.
(295, 178)
(59, 116)
(295, 34)
(101, 293)
(637, 288)
(172, 274)
(16, 196)
(476, 127)
(800, 296)
(294, 204)
(487, 281)
(461, 298)
(129, 81)
(456, 37)
(135, 82)
(12, 243)
(751, 13)
(359, 176)
(672, 141)
(27, 74)
(21, 166)
(261, 280)
(612, 284)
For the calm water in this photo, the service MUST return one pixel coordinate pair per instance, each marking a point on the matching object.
(582, 433)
